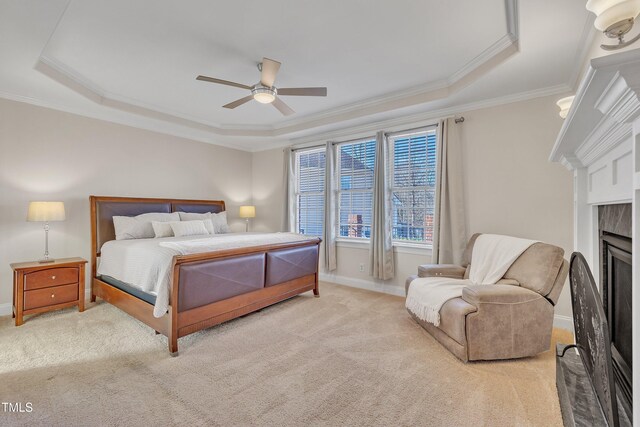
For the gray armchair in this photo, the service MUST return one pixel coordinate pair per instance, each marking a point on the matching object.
(511, 319)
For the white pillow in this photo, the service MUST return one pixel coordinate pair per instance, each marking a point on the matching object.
(189, 228)
(139, 227)
(162, 229)
(218, 220)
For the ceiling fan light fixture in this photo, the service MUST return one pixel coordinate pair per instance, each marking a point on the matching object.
(263, 94)
(615, 18)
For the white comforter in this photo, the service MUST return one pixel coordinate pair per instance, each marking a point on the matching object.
(146, 263)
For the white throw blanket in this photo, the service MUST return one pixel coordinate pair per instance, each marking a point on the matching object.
(491, 258)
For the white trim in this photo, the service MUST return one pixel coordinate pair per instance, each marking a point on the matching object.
(399, 248)
(370, 285)
(422, 119)
(563, 322)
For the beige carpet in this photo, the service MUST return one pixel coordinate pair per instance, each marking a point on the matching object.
(351, 357)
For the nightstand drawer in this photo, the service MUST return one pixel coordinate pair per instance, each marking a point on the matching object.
(50, 277)
(50, 296)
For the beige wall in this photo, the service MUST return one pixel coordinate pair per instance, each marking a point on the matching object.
(511, 188)
(51, 155)
(510, 185)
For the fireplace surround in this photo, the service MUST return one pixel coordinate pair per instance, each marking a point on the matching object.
(615, 231)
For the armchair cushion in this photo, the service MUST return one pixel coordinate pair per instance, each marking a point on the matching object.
(498, 294)
(441, 270)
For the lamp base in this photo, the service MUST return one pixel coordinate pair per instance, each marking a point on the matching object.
(45, 261)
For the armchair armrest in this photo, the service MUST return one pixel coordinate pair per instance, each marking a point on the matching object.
(498, 294)
(441, 270)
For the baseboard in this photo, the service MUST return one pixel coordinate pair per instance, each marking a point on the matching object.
(372, 285)
(563, 322)
(6, 309)
(559, 321)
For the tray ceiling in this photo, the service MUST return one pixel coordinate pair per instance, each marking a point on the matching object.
(136, 62)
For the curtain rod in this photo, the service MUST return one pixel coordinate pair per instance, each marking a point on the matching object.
(456, 120)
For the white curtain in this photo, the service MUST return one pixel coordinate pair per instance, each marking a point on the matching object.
(381, 263)
(289, 215)
(330, 208)
(450, 234)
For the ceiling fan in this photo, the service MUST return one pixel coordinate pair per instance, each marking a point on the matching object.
(264, 91)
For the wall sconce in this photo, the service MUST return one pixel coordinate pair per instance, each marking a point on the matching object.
(565, 104)
(615, 18)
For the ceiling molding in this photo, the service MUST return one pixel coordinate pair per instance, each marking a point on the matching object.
(420, 119)
(490, 58)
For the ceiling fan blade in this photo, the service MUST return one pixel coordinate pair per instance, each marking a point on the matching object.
(269, 70)
(282, 107)
(222, 82)
(303, 91)
(238, 102)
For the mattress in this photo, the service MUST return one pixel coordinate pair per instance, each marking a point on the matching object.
(145, 264)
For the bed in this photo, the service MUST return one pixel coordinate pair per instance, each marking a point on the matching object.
(235, 275)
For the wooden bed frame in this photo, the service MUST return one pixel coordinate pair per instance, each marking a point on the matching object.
(178, 323)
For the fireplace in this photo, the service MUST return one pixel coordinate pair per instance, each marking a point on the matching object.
(616, 289)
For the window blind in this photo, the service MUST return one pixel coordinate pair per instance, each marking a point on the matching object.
(412, 172)
(355, 192)
(310, 175)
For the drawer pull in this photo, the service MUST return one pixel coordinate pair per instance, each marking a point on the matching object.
(53, 295)
(53, 277)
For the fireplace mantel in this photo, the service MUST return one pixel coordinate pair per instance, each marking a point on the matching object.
(603, 111)
(600, 142)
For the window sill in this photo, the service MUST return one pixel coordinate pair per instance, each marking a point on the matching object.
(398, 247)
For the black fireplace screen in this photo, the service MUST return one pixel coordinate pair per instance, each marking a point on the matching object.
(592, 335)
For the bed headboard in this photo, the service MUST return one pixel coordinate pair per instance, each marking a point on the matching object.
(103, 209)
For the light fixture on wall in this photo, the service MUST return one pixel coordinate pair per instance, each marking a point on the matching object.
(565, 104)
(46, 212)
(615, 18)
(247, 212)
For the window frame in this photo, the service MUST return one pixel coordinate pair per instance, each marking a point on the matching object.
(339, 191)
(390, 181)
(296, 161)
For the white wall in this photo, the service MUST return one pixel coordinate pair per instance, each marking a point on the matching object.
(511, 188)
(51, 155)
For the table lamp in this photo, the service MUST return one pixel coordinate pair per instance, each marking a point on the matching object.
(46, 212)
(247, 212)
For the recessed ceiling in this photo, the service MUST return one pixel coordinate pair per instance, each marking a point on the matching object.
(136, 62)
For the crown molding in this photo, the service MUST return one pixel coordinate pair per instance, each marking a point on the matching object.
(487, 60)
(421, 119)
(601, 116)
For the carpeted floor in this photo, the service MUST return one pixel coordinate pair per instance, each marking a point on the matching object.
(351, 357)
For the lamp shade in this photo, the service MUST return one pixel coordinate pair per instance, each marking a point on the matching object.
(565, 104)
(609, 12)
(247, 211)
(46, 211)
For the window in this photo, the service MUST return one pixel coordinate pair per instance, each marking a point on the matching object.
(310, 167)
(355, 188)
(412, 172)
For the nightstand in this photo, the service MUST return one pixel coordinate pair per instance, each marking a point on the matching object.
(40, 287)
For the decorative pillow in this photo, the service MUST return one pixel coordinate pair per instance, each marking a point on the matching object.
(162, 229)
(218, 220)
(189, 228)
(139, 227)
